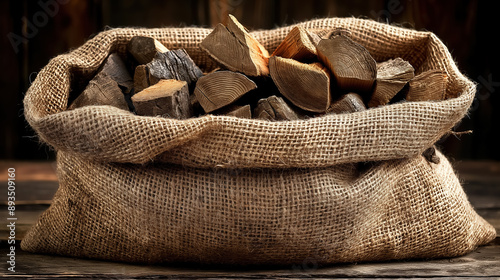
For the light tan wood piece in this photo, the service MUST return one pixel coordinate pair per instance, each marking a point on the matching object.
(234, 48)
(392, 76)
(144, 49)
(219, 89)
(347, 103)
(274, 108)
(351, 64)
(427, 86)
(307, 86)
(167, 98)
(299, 44)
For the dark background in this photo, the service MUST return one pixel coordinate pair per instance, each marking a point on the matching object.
(34, 31)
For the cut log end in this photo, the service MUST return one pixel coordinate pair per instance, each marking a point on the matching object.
(351, 64)
(221, 88)
(428, 86)
(307, 86)
(144, 49)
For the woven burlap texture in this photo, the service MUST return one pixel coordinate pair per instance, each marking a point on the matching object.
(218, 189)
(167, 213)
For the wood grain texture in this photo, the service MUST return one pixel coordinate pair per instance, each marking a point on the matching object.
(221, 88)
(101, 90)
(274, 108)
(351, 64)
(347, 103)
(144, 49)
(427, 86)
(299, 44)
(174, 64)
(392, 76)
(234, 48)
(167, 98)
(307, 86)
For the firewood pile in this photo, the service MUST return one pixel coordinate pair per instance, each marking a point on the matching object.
(306, 76)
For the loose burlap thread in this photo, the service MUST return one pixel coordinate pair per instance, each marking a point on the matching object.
(219, 189)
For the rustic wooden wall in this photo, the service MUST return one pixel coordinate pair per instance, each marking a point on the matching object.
(35, 31)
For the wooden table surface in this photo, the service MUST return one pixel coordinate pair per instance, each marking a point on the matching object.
(36, 184)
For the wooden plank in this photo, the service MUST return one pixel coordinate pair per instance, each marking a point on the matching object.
(29, 170)
(483, 262)
(31, 192)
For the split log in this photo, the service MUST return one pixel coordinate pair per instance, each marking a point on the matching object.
(144, 49)
(195, 106)
(219, 89)
(174, 64)
(299, 44)
(101, 90)
(237, 111)
(274, 108)
(143, 79)
(116, 69)
(235, 49)
(167, 98)
(307, 86)
(392, 76)
(427, 86)
(351, 64)
(347, 103)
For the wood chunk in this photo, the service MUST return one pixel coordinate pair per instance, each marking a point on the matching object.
(274, 108)
(392, 76)
(427, 86)
(116, 69)
(299, 44)
(174, 64)
(221, 88)
(101, 90)
(144, 49)
(196, 108)
(143, 79)
(351, 64)
(234, 48)
(431, 156)
(307, 86)
(167, 98)
(236, 111)
(241, 112)
(348, 103)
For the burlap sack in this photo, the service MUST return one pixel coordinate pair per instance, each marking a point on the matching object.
(220, 189)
